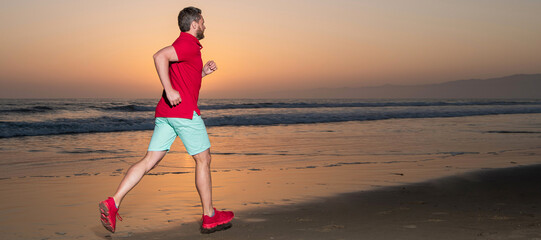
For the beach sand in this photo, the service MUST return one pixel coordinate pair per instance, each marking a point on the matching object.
(486, 204)
(281, 180)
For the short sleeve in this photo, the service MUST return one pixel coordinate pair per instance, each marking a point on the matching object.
(181, 55)
(185, 50)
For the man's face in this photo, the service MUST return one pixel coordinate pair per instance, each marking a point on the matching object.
(200, 29)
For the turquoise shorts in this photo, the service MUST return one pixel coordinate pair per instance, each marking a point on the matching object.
(192, 132)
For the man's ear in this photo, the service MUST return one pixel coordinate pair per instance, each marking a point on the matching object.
(193, 25)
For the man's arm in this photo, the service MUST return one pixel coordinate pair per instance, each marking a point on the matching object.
(161, 61)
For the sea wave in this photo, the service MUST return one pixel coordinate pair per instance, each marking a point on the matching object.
(364, 104)
(28, 110)
(128, 108)
(150, 105)
(312, 104)
(127, 123)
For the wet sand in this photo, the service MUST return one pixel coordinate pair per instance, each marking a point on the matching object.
(486, 204)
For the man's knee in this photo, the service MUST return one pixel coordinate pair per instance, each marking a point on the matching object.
(152, 166)
(152, 159)
(203, 160)
(203, 157)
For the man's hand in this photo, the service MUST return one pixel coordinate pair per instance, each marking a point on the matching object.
(173, 96)
(209, 68)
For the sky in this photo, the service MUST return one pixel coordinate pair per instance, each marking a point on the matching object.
(104, 49)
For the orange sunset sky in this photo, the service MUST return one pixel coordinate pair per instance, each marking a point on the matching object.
(58, 49)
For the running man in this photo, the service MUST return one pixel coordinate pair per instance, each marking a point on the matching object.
(180, 69)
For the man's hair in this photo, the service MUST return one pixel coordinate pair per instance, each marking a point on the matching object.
(187, 16)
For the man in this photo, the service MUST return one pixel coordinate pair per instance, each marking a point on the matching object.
(180, 69)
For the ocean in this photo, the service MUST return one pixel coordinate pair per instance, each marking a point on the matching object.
(35, 117)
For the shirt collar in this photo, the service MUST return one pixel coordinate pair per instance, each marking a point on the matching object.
(191, 37)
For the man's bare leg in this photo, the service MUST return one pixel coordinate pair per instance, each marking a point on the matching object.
(203, 181)
(136, 172)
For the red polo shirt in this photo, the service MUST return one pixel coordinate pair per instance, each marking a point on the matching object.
(185, 77)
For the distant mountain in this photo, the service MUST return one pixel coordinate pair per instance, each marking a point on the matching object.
(514, 86)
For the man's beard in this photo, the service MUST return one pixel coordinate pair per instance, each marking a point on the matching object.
(200, 34)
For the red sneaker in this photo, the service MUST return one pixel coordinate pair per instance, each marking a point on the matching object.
(220, 221)
(109, 212)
